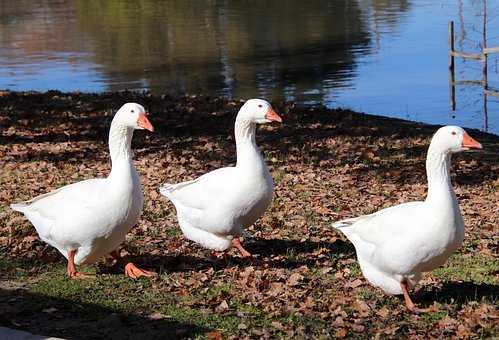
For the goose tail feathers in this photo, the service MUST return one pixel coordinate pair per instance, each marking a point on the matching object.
(21, 206)
(344, 223)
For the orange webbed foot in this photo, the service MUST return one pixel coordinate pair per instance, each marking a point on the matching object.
(237, 243)
(71, 268)
(410, 305)
(78, 275)
(135, 272)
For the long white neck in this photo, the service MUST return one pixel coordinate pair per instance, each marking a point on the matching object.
(438, 164)
(120, 140)
(248, 154)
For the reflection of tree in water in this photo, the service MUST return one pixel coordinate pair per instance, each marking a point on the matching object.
(11, 12)
(43, 30)
(383, 16)
(385, 13)
(236, 47)
(297, 50)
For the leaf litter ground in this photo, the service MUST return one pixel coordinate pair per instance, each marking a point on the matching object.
(303, 281)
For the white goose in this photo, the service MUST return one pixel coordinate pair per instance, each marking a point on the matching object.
(213, 209)
(395, 245)
(89, 219)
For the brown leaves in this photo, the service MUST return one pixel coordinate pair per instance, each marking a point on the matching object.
(327, 165)
(294, 279)
(383, 312)
(214, 335)
(222, 307)
(362, 308)
(354, 284)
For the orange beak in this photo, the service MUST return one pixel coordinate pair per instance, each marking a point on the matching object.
(470, 143)
(144, 123)
(273, 116)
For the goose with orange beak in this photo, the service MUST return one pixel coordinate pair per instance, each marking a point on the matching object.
(214, 209)
(396, 245)
(87, 220)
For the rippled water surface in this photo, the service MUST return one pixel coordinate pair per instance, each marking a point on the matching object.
(386, 57)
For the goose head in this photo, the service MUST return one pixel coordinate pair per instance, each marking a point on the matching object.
(133, 116)
(258, 111)
(451, 139)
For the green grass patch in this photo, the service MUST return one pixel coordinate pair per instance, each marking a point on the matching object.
(433, 317)
(475, 268)
(354, 269)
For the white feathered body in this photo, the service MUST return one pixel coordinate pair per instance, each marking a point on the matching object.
(217, 206)
(220, 204)
(92, 216)
(401, 242)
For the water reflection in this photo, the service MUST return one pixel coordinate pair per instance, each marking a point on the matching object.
(364, 54)
(279, 49)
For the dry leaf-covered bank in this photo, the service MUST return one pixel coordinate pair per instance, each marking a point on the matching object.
(327, 165)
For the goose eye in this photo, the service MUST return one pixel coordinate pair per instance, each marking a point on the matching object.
(133, 111)
(260, 105)
(453, 133)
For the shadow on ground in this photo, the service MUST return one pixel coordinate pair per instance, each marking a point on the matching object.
(269, 247)
(459, 293)
(52, 316)
(275, 253)
(183, 123)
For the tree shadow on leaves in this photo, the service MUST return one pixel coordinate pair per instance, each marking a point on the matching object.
(459, 293)
(271, 247)
(276, 253)
(173, 263)
(292, 254)
(75, 319)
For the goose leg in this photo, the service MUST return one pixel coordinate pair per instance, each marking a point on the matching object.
(410, 305)
(408, 302)
(71, 268)
(217, 254)
(135, 272)
(237, 243)
(132, 270)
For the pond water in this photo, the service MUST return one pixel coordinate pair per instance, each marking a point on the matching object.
(386, 57)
